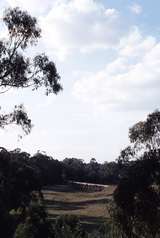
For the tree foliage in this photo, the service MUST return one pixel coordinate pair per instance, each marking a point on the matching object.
(17, 70)
(68, 226)
(34, 224)
(137, 196)
(146, 133)
(20, 178)
(18, 117)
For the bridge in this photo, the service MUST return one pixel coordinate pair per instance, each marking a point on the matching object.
(87, 187)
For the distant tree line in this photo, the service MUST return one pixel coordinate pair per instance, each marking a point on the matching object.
(48, 171)
(92, 172)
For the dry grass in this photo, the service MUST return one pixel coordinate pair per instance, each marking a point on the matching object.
(89, 207)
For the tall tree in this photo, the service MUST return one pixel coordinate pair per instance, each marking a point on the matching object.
(137, 196)
(18, 178)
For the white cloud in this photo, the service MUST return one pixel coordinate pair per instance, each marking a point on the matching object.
(111, 12)
(70, 26)
(79, 25)
(136, 8)
(135, 45)
(131, 81)
(33, 6)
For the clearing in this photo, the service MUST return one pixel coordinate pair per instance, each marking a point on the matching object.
(90, 207)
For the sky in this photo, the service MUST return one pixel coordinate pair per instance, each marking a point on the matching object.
(107, 53)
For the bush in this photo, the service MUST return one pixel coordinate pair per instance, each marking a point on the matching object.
(35, 224)
(68, 226)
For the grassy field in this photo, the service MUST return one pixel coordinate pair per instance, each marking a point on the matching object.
(91, 207)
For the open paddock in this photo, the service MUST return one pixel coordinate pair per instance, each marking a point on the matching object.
(90, 207)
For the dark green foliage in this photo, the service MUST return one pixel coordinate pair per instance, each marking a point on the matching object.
(137, 197)
(68, 226)
(17, 180)
(74, 169)
(92, 172)
(51, 170)
(146, 133)
(21, 180)
(35, 223)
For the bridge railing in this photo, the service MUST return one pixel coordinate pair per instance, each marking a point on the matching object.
(87, 187)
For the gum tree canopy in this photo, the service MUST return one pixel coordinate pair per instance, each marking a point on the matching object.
(137, 196)
(17, 70)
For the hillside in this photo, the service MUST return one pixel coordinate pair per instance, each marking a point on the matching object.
(91, 207)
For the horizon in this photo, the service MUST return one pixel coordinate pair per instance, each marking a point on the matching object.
(107, 54)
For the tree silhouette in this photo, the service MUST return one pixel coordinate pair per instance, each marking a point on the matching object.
(17, 70)
(137, 196)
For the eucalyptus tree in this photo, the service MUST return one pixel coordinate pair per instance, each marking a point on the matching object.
(20, 71)
(137, 197)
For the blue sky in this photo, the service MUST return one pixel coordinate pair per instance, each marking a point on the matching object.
(108, 56)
